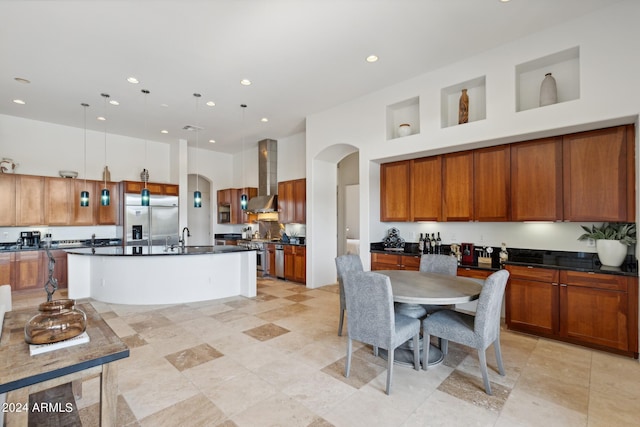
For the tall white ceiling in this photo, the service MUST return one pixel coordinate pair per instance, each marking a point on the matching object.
(302, 56)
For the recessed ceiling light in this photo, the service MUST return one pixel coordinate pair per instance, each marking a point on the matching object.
(504, 1)
(19, 101)
(245, 82)
(21, 80)
(372, 58)
(264, 120)
(164, 131)
(114, 102)
(213, 141)
(133, 80)
(211, 103)
(164, 105)
(102, 119)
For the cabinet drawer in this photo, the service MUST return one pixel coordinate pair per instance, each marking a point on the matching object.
(472, 272)
(533, 273)
(594, 280)
(392, 260)
(410, 262)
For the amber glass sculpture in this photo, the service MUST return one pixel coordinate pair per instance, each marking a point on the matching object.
(58, 320)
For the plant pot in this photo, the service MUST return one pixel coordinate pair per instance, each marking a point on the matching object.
(611, 252)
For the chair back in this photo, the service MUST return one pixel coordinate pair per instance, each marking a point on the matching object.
(346, 264)
(369, 298)
(487, 321)
(441, 264)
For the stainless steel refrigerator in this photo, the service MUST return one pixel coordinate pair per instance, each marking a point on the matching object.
(153, 225)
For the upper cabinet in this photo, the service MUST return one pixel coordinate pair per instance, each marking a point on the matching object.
(8, 197)
(29, 199)
(426, 188)
(229, 209)
(58, 193)
(457, 186)
(536, 180)
(292, 201)
(596, 175)
(491, 183)
(587, 176)
(395, 191)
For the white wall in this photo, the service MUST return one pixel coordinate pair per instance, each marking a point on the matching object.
(609, 95)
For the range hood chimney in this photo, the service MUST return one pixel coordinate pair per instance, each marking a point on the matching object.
(267, 199)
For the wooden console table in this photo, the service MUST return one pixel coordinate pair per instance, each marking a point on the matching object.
(22, 374)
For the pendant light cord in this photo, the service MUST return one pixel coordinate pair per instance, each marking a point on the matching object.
(104, 172)
(146, 120)
(197, 96)
(84, 105)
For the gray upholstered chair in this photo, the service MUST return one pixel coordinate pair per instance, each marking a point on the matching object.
(479, 331)
(344, 264)
(372, 320)
(441, 264)
(5, 305)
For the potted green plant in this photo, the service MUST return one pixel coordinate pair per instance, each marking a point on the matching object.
(612, 241)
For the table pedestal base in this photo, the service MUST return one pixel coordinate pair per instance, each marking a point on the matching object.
(404, 354)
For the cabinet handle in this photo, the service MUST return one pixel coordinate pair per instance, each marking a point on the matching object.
(554, 284)
(528, 266)
(563, 284)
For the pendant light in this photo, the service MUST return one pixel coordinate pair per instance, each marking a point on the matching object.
(84, 194)
(197, 195)
(244, 200)
(105, 197)
(145, 194)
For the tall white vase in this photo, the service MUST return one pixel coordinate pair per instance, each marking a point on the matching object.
(611, 252)
(548, 90)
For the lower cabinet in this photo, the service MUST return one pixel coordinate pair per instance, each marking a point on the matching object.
(6, 263)
(295, 263)
(394, 262)
(29, 270)
(271, 259)
(591, 309)
(474, 273)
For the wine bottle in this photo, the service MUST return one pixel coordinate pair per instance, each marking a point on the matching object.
(421, 244)
(427, 244)
(433, 243)
(439, 244)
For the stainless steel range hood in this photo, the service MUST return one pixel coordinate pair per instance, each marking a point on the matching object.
(267, 199)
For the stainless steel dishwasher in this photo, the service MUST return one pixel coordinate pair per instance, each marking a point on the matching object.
(280, 261)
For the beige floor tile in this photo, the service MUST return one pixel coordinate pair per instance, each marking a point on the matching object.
(210, 374)
(275, 410)
(193, 356)
(240, 393)
(266, 332)
(615, 374)
(194, 411)
(620, 409)
(284, 371)
(443, 410)
(528, 410)
(319, 392)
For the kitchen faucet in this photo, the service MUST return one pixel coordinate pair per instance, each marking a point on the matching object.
(182, 240)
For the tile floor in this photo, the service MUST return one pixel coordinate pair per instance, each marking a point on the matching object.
(276, 360)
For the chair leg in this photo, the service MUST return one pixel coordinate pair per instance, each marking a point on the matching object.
(391, 354)
(375, 351)
(347, 366)
(341, 321)
(444, 346)
(496, 347)
(483, 367)
(425, 350)
(416, 352)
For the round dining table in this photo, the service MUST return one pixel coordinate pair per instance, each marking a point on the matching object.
(418, 287)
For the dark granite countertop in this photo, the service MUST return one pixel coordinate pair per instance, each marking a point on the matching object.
(560, 260)
(61, 244)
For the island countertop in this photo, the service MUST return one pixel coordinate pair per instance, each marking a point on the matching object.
(155, 250)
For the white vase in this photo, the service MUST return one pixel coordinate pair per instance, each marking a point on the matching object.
(548, 91)
(611, 252)
(404, 129)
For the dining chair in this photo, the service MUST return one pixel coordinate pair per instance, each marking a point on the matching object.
(5, 305)
(344, 264)
(441, 264)
(479, 331)
(372, 320)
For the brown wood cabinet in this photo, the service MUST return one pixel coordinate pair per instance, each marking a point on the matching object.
(596, 172)
(27, 271)
(58, 196)
(153, 187)
(426, 187)
(6, 267)
(8, 197)
(271, 259)
(491, 184)
(395, 191)
(596, 310)
(536, 180)
(295, 263)
(84, 215)
(292, 201)
(394, 262)
(474, 273)
(108, 215)
(60, 270)
(229, 208)
(457, 186)
(29, 199)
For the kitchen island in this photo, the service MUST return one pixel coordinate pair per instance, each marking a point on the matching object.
(159, 275)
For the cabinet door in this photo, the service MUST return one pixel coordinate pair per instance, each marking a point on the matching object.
(27, 271)
(385, 262)
(84, 215)
(285, 202)
(300, 266)
(58, 197)
(491, 184)
(300, 201)
(8, 197)
(271, 260)
(536, 180)
(171, 190)
(395, 191)
(473, 273)
(59, 270)
(30, 200)
(595, 175)
(155, 188)
(5, 268)
(427, 188)
(108, 215)
(531, 300)
(133, 186)
(289, 263)
(410, 262)
(457, 186)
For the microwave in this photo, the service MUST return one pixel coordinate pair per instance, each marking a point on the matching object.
(224, 214)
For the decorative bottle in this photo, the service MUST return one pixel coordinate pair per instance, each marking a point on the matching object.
(548, 91)
(463, 111)
(421, 244)
(439, 244)
(504, 255)
(433, 243)
(427, 244)
(106, 174)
